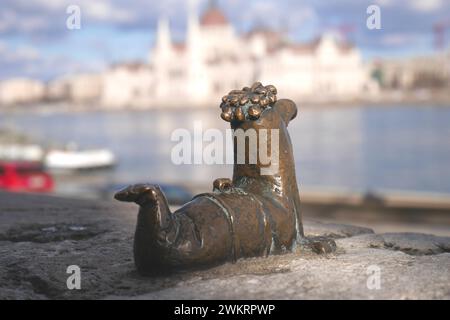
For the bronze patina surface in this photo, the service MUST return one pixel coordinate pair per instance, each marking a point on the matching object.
(253, 214)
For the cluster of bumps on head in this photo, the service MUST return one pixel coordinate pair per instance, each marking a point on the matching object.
(248, 103)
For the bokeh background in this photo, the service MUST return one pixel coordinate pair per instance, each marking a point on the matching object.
(90, 93)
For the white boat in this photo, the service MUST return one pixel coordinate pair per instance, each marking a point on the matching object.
(16, 146)
(21, 152)
(79, 159)
(19, 147)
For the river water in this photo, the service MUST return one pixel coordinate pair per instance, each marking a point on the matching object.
(369, 148)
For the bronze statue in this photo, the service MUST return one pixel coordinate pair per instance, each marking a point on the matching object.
(252, 215)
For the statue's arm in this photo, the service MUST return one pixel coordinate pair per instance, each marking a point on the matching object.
(287, 109)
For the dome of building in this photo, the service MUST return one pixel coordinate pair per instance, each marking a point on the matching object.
(213, 16)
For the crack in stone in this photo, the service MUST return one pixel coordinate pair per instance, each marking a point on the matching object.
(19, 275)
(417, 252)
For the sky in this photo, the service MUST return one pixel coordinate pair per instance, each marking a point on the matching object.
(35, 41)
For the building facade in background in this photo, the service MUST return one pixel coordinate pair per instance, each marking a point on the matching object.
(21, 91)
(128, 85)
(421, 72)
(213, 60)
(78, 88)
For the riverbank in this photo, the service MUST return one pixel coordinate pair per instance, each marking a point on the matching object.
(392, 100)
(40, 236)
(389, 211)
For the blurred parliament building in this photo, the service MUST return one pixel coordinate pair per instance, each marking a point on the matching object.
(214, 59)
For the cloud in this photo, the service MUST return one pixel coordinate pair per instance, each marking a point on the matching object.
(28, 61)
(21, 53)
(38, 17)
(398, 39)
(426, 6)
(384, 3)
(13, 61)
(103, 11)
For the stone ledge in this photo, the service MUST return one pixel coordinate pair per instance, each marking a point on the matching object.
(40, 236)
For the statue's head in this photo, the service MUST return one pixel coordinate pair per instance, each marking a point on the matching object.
(255, 103)
(259, 121)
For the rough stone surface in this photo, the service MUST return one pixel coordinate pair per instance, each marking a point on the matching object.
(335, 231)
(41, 236)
